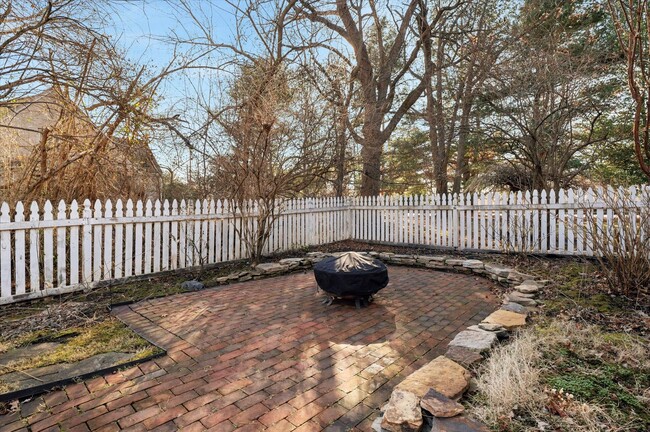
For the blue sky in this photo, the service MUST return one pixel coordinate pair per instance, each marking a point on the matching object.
(142, 25)
(143, 29)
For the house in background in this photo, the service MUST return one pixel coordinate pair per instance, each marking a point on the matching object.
(50, 149)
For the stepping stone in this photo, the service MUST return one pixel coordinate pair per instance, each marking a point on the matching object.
(514, 307)
(441, 374)
(457, 424)
(507, 319)
(463, 356)
(402, 413)
(27, 352)
(440, 405)
(478, 341)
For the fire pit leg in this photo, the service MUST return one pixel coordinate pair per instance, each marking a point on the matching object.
(328, 301)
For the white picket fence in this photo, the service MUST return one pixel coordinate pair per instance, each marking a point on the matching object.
(51, 252)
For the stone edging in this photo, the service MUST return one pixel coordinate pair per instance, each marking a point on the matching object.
(437, 386)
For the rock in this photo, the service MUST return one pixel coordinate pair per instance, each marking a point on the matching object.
(402, 412)
(527, 295)
(222, 279)
(291, 261)
(243, 273)
(539, 282)
(423, 259)
(440, 405)
(491, 327)
(192, 285)
(435, 264)
(245, 278)
(473, 264)
(376, 424)
(457, 424)
(527, 289)
(402, 257)
(441, 374)
(507, 319)
(518, 276)
(478, 341)
(463, 356)
(455, 262)
(502, 272)
(270, 268)
(514, 307)
(373, 254)
(513, 297)
(502, 334)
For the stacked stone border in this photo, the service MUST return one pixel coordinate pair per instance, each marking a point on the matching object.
(430, 395)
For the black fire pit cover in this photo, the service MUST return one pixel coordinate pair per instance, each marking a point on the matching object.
(351, 275)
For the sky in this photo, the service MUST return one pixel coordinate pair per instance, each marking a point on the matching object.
(142, 27)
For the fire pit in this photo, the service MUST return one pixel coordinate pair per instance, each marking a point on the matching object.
(351, 276)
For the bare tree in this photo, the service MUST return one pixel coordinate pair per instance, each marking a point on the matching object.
(385, 46)
(266, 134)
(458, 56)
(76, 115)
(631, 18)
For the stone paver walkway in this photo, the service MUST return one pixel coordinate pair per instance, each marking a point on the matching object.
(267, 355)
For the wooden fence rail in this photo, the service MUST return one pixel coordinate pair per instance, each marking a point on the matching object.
(46, 251)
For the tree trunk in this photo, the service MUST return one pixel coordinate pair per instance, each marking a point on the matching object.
(341, 147)
(371, 153)
(463, 134)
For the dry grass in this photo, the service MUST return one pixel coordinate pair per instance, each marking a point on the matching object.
(78, 344)
(529, 383)
(510, 380)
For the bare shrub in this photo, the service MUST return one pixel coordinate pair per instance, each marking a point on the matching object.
(617, 227)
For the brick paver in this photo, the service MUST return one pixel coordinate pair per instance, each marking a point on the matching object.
(268, 355)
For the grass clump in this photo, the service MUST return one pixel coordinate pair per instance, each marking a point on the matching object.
(562, 375)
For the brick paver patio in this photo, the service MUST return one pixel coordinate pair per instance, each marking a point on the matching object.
(267, 355)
